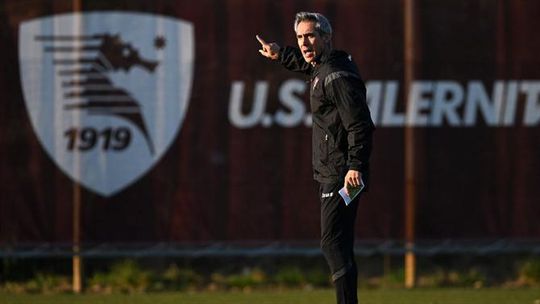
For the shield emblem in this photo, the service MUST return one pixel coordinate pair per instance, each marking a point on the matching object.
(107, 92)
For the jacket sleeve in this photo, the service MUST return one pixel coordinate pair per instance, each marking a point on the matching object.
(291, 58)
(348, 93)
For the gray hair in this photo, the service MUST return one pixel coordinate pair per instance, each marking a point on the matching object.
(322, 25)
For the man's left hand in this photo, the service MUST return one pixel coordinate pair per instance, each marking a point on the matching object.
(352, 178)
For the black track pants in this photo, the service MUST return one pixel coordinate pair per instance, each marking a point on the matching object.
(337, 241)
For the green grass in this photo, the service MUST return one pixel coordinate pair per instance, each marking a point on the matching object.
(378, 296)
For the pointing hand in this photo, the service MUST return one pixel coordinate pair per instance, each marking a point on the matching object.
(268, 50)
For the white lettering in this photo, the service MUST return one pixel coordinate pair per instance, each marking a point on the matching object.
(374, 96)
(509, 118)
(448, 97)
(390, 117)
(327, 195)
(294, 103)
(431, 104)
(477, 99)
(498, 101)
(532, 107)
(236, 117)
(418, 102)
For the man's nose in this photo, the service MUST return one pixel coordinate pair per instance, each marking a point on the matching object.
(305, 41)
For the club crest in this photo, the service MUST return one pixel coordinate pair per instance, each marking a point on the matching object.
(106, 92)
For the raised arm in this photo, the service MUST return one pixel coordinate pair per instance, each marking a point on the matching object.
(268, 50)
(290, 57)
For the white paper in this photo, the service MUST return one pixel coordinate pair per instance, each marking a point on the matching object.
(353, 191)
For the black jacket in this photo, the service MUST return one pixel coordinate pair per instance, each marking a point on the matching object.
(342, 125)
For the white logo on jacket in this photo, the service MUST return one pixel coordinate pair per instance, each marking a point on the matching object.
(315, 81)
(327, 195)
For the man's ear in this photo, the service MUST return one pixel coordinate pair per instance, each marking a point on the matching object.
(327, 38)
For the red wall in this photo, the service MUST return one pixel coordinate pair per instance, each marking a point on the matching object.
(221, 182)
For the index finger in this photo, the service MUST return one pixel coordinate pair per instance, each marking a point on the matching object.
(261, 41)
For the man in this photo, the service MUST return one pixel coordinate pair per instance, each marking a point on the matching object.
(342, 138)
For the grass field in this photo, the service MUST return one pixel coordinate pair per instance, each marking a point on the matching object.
(379, 296)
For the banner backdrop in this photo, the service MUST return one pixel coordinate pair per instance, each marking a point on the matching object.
(175, 129)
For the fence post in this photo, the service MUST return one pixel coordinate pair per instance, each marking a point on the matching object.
(410, 174)
(77, 263)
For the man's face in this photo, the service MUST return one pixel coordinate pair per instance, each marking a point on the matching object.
(311, 43)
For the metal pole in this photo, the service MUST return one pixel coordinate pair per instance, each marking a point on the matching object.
(77, 260)
(77, 282)
(410, 176)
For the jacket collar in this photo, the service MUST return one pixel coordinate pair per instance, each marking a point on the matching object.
(325, 57)
(330, 56)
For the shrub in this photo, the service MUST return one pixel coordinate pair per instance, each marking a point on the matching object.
(318, 278)
(289, 277)
(125, 276)
(529, 272)
(249, 278)
(175, 278)
(470, 278)
(41, 283)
